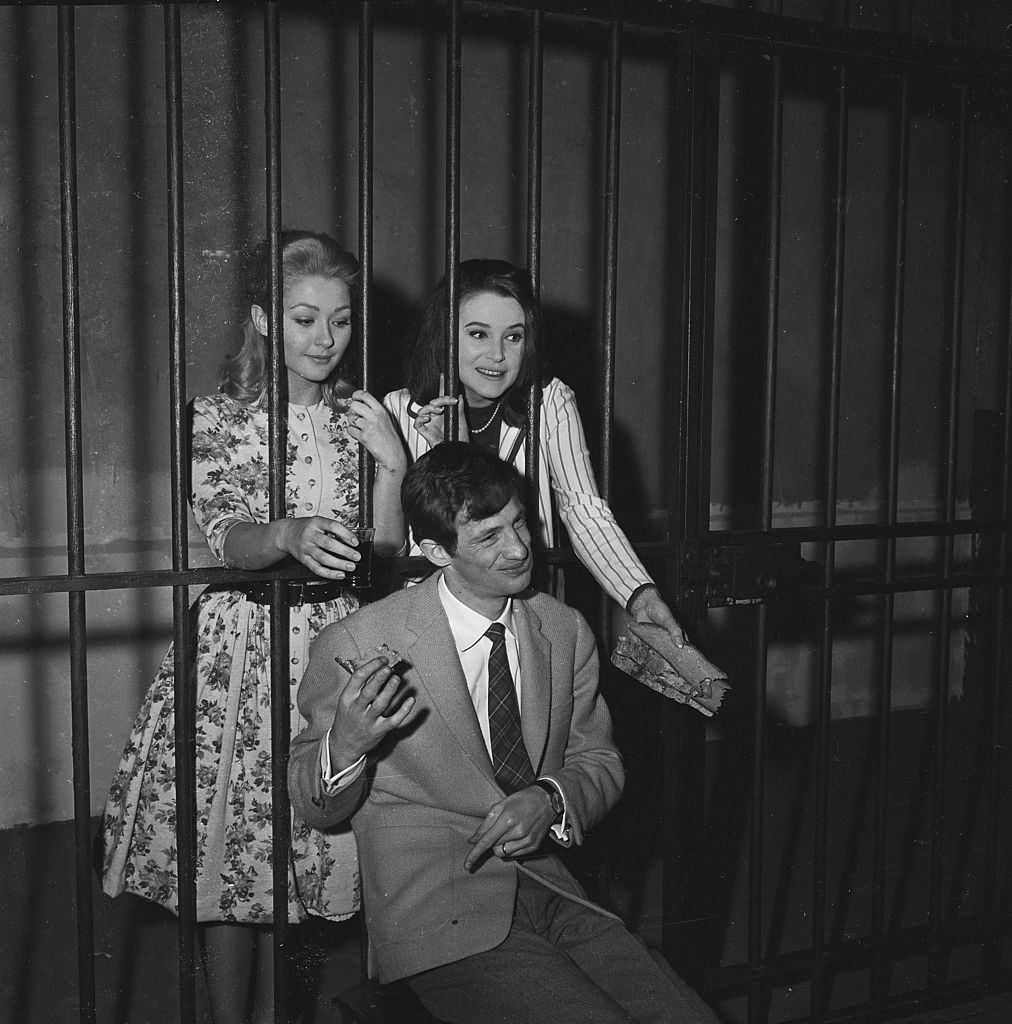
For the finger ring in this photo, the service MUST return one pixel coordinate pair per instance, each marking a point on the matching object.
(502, 849)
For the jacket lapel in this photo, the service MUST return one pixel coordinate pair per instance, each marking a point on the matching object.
(433, 656)
(535, 681)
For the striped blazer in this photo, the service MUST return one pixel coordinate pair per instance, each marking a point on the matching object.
(566, 473)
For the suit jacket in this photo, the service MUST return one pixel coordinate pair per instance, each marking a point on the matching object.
(428, 786)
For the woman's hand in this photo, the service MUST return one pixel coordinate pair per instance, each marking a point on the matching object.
(324, 546)
(649, 606)
(371, 426)
(429, 421)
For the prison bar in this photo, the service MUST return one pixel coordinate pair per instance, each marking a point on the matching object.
(611, 185)
(365, 227)
(823, 712)
(650, 549)
(278, 437)
(756, 809)
(184, 695)
(880, 976)
(687, 466)
(85, 917)
(938, 960)
(992, 948)
(613, 138)
(451, 426)
(535, 106)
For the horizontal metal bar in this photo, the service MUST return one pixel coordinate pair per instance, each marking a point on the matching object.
(854, 532)
(856, 952)
(768, 29)
(11, 586)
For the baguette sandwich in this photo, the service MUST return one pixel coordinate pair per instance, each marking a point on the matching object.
(649, 655)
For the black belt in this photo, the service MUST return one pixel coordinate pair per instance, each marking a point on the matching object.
(298, 592)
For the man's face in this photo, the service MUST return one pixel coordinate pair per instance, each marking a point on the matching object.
(493, 560)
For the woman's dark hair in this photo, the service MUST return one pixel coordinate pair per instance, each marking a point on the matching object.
(453, 479)
(425, 363)
(303, 254)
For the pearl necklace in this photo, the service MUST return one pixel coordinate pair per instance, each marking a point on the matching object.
(488, 422)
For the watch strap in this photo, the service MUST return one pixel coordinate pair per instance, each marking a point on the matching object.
(558, 804)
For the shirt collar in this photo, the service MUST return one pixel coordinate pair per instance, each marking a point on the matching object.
(467, 625)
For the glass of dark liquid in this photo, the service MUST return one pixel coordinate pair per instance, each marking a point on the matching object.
(361, 576)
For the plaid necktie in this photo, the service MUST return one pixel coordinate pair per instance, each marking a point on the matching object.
(512, 766)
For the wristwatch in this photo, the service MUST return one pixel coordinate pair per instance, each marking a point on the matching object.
(558, 804)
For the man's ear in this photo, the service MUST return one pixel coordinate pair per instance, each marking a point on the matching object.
(435, 553)
(259, 318)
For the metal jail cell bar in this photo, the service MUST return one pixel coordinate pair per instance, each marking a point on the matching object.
(820, 842)
(365, 228)
(75, 512)
(758, 765)
(278, 437)
(184, 696)
(535, 114)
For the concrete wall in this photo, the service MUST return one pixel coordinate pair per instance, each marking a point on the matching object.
(124, 303)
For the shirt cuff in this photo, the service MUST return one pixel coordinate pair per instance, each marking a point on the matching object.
(562, 832)
(333, 782)
(636, 593)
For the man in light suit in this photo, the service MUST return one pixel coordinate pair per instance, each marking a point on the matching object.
(463, 769)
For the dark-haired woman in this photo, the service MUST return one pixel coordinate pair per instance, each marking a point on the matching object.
(231, 671)
(499, 336)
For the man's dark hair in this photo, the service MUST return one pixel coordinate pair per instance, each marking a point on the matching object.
(455, 479)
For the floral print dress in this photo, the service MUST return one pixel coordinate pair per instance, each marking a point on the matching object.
(231, 674)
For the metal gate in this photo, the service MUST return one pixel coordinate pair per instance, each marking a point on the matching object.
(851, 799)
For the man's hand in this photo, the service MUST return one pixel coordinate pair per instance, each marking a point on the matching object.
(649, 606)
(371, 705)
(513, 827)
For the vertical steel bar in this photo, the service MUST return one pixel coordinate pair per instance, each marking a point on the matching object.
(823, 711)
(685, 902)
(611, 212)
(365, 230)
(994, 828)
(278, 431)
(936, 970)
(772, 298)
(755, 922)
(611, 194)
(452, 240)
(184, 695)
(879, 978)
(365, 225)
(535, 77)
(75, 512)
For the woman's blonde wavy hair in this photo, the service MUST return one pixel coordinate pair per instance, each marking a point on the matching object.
(243, 376)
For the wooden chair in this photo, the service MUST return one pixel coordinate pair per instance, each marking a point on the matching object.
(369, 1002)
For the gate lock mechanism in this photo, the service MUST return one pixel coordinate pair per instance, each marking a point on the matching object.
(746, 573)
